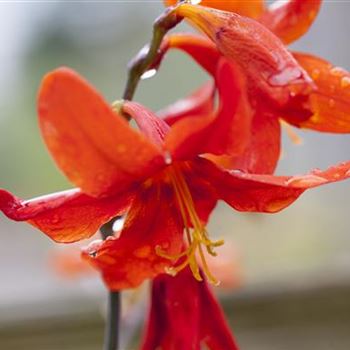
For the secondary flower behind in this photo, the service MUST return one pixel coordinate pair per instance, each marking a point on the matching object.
(301, 89)
(159, 177)
(185, 318)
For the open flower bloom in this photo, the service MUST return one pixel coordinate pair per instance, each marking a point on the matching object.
(301, 89)
(185, 318)
(160, 176)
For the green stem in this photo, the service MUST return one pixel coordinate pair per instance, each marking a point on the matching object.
(113, 309)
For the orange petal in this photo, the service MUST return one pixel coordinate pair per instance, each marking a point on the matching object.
(265, 135)
(251, 8)
(66, 216)
(225, 133)
(262, 56)
(153, 221)
(266, 193)
(199, 48)
(330, 103)
(199, 103)
(289, 20)
(95, 148)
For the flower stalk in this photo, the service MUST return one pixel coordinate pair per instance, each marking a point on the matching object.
(144, 59)
(136, 68)
(111, 339)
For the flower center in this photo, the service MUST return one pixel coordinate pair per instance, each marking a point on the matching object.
(197, 239)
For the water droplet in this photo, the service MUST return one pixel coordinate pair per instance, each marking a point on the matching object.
(331, 103)
(118, 224)
(167, 158)
(306, 180)
(315, 73)
(237, 172)
(345, 82)
(148, 74)
(195, 2)
(336, 71)
(55, 219)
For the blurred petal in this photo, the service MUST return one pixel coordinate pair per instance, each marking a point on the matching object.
(209, 134)
(68, 264)
(66, 216)
(330, 103)
(266, 193)
(199, 103)
(185, 318)
(95, 148)
(251, 8)
(153, 221)
(262, 56)
(265, 135)
(289, 20)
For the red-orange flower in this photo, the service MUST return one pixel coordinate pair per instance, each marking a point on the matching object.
(161, 177)
(185, 318)
(304, 90)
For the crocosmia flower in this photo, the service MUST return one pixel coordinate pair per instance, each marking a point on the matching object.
(163, 177)
(185, 317)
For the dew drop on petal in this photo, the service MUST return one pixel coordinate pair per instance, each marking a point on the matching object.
(337, 71)
(149, 74)
(195, 2)
(331, 103)
(167, 158)
(305, 180)
(315, 74)
(118, 224)
(55, 219)
(345, 82)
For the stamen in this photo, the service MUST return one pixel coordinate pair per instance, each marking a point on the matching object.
(196, 235)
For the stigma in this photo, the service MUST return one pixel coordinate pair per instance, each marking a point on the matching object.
(198, 243)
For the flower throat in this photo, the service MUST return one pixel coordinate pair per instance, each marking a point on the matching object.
(196, 235)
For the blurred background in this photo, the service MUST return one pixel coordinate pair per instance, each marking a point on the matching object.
(292, 268)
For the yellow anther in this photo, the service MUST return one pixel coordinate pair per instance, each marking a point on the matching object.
(198, 241)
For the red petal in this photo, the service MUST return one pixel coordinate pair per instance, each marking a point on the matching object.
(251, 8)
(266, 193)
(289, 20)
(153, 127)
(199, 103)
(330, 103)
(262, 56)
(265, 135)
(152, 221)
(66, 216)
(225, 133)
(94, 147)
(174, 319)
(179, 317)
